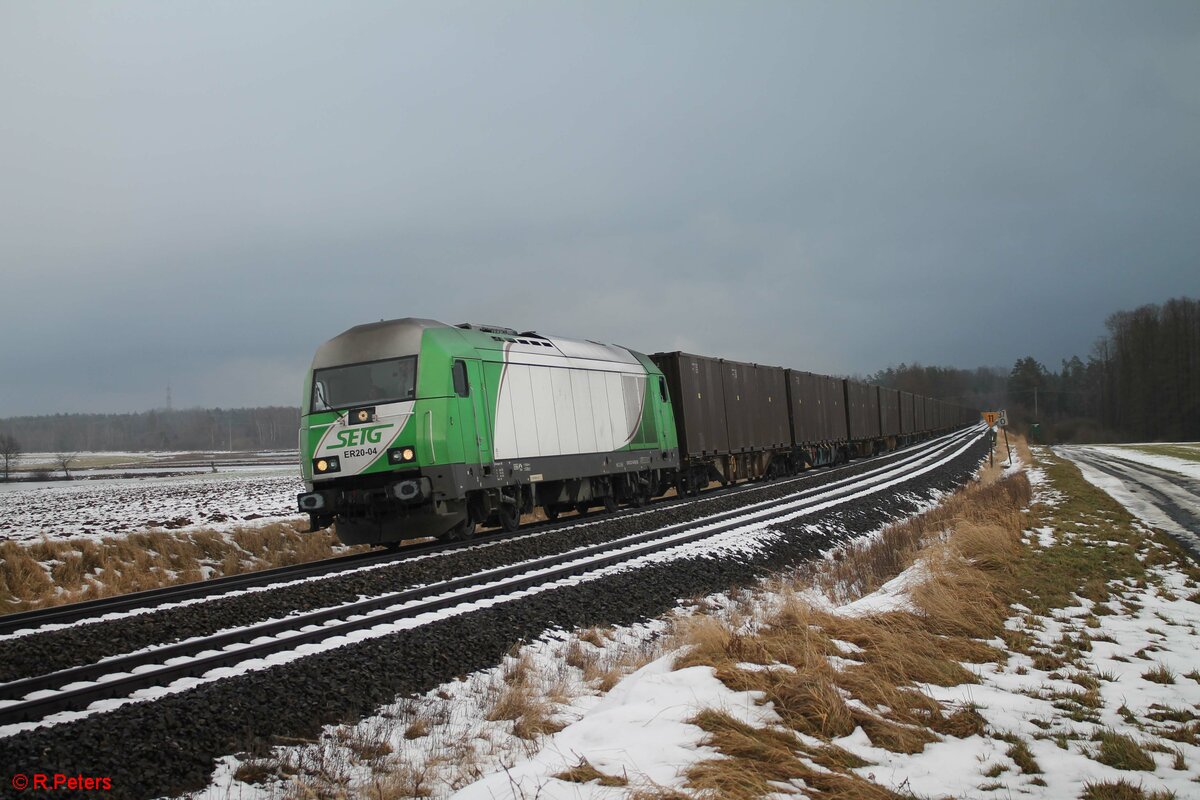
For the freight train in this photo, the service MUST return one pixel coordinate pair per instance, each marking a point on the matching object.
(413, 428)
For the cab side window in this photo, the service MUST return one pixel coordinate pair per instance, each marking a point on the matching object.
(662, 388)
(459, 373)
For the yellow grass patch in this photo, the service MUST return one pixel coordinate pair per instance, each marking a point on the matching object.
(55, 571)
(826, 674)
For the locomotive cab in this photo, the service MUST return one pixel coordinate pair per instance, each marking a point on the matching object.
(361, 440)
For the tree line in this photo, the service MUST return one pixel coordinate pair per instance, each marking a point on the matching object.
(1141, 382)
(267, 428)
(982, 387)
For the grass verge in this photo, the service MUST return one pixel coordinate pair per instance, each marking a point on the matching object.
(56, 571)
(1001, 587)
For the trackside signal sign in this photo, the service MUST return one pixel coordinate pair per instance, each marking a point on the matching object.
(995, 418)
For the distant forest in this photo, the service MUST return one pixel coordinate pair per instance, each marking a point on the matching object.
(1141, 382)
(270, 428)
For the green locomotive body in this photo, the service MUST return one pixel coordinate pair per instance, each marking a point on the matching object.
(413, 428)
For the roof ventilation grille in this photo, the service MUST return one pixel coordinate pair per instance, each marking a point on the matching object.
(472, 326)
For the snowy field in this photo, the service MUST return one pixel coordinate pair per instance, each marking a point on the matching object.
(1162, 491)
(90, 464)
(1153, 455)
(114, 506)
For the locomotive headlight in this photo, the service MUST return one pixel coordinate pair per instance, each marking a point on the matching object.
(402, 455)
(322, 466)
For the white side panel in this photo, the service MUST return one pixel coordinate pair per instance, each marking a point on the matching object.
(600, 413)
(587, 399)
(616, 409)
(564, 411)
(504, 436)
(581, 398)
(633, 388)
(545, 420)
(517, 378)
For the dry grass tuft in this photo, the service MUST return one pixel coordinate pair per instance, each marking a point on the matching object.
(584, 772)
(757, 760)
(963, 723)
(1022, 756)
(51, 572)
(1122, 752)
(1159, 674)
(978, 510)
(1121, 790)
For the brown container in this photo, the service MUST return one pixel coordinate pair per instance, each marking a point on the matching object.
(818, 411)
(862, 410)
(805, 406)
(738, 386)
(698, 399)
(889, 411)
(769, 418)
(837, 422)
(908, 418)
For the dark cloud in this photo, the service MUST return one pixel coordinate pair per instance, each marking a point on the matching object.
(199, 194)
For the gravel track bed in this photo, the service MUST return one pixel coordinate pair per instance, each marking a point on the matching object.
(38, 654)
(170, 746)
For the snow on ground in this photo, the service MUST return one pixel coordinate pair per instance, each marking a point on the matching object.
(640, 729)
(1132, 453)
(87, 459)
(112, 506)
(1017, 698)
(1160, 500)
(1137, 503)
(448, 741)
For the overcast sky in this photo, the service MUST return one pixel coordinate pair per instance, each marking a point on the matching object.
(199, 194)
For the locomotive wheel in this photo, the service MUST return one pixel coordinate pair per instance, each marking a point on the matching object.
(551, 511)
(510, 517)
(461, 531)
(610, 503)
(582, 509)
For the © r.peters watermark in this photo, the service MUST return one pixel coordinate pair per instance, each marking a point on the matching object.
(50, 782)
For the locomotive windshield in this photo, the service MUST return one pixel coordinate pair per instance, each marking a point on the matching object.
(368, 384)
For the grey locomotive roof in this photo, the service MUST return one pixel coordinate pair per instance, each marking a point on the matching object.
(374, 341)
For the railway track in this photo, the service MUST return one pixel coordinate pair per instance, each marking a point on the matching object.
(63, 695)
(29, 622)
(25, 622)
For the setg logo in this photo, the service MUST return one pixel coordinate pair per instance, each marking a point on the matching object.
(355, 437)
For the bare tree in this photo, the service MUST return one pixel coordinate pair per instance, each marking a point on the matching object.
(64, 461)
(10, 450)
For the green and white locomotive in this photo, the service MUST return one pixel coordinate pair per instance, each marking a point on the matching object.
(413, 428)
